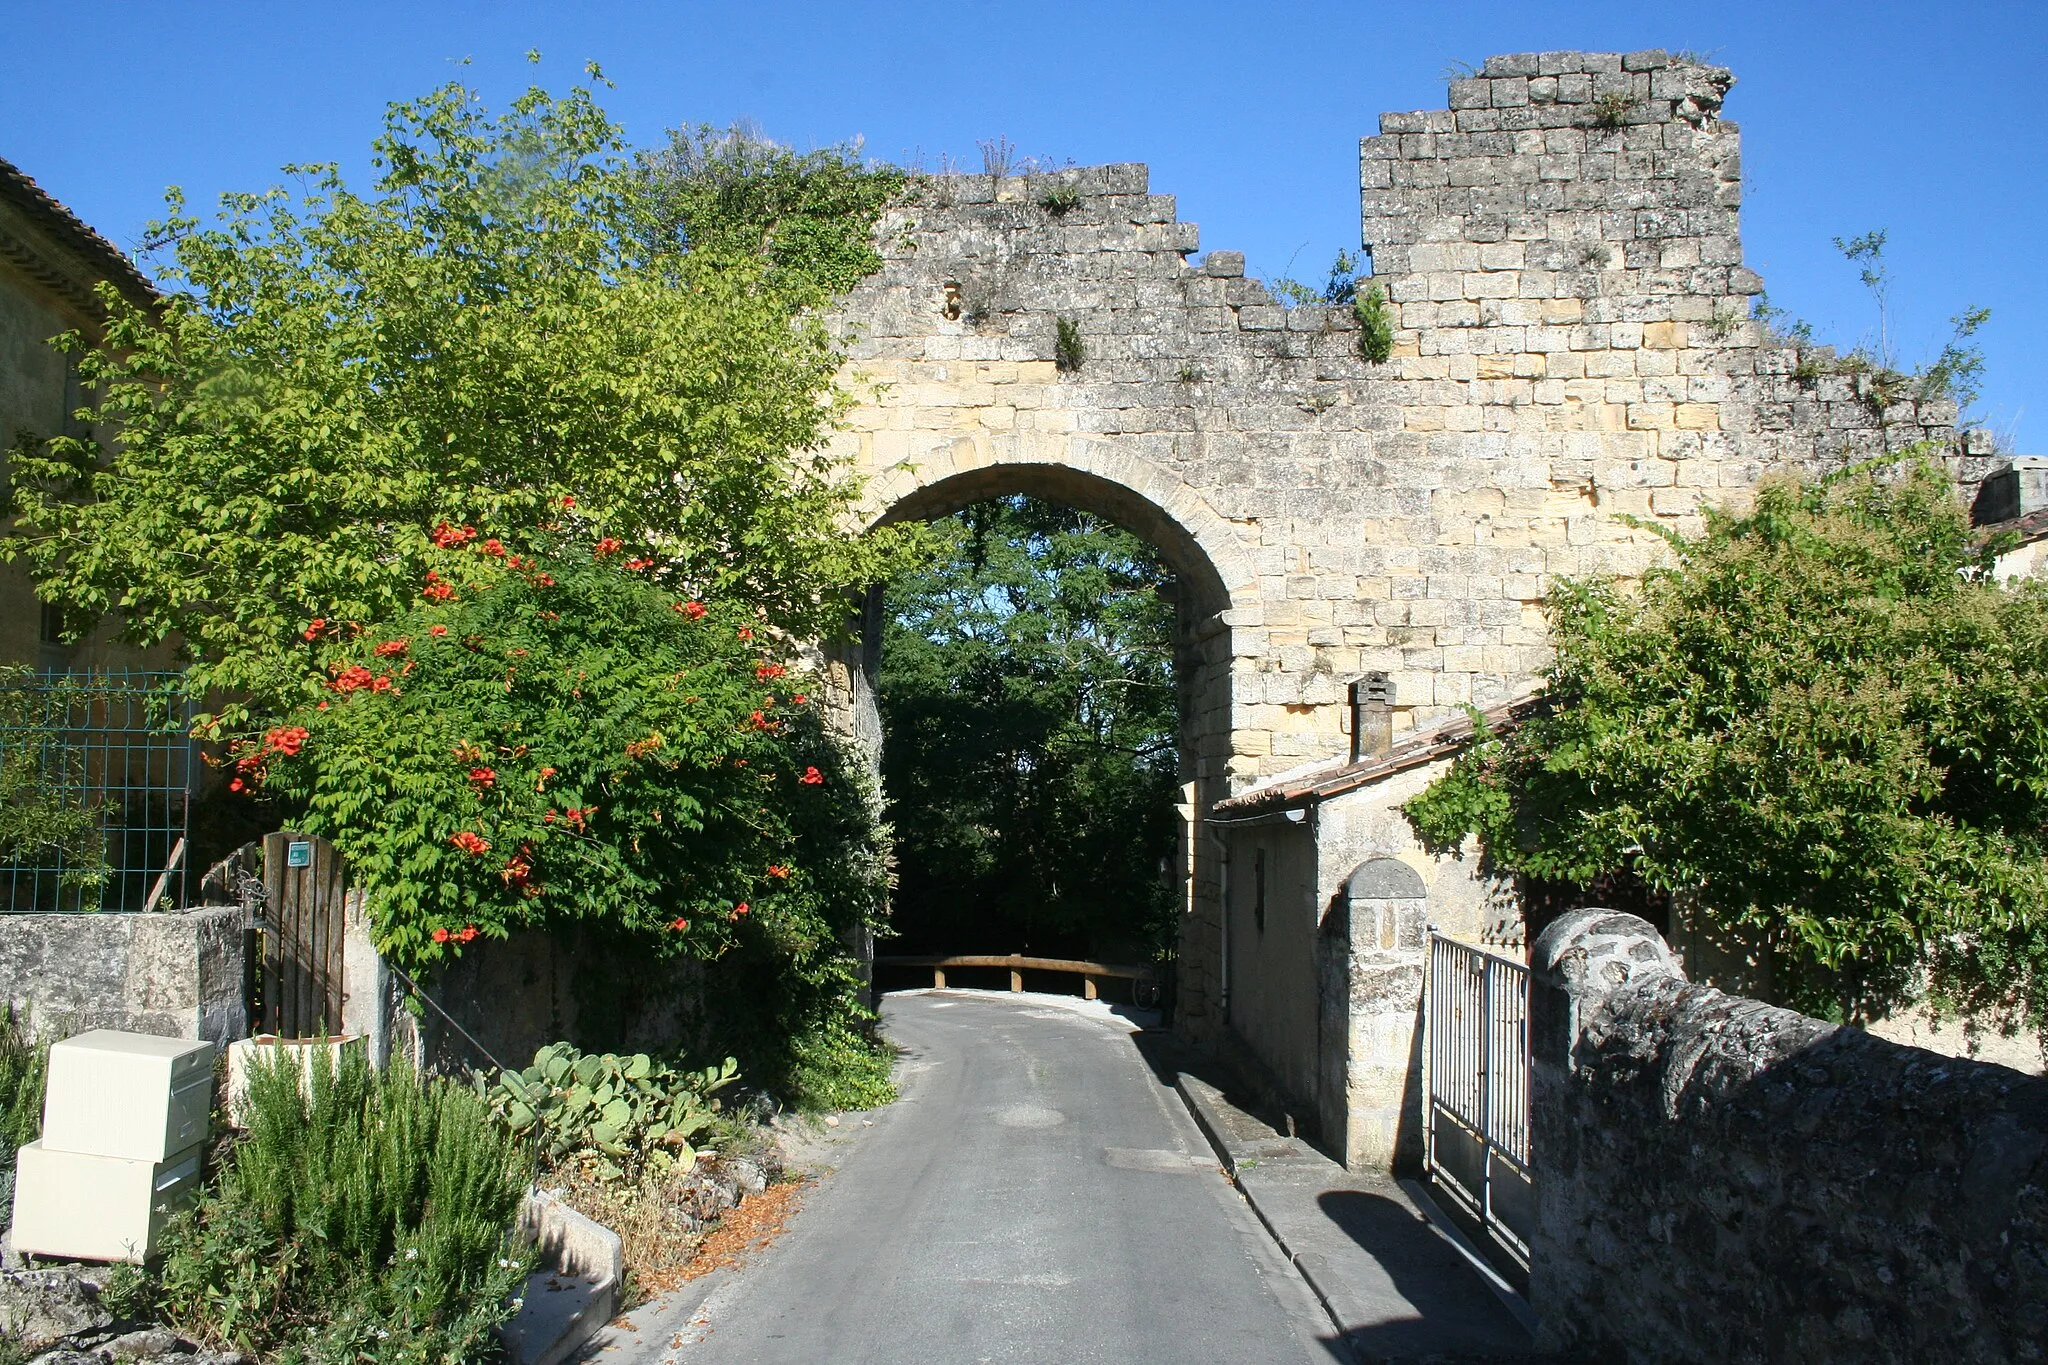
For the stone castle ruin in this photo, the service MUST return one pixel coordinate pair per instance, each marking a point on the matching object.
(1561, 256)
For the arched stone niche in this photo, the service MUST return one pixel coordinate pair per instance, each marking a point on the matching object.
(1389, 905)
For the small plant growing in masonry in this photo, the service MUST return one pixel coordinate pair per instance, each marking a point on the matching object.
(1727, 317)
(1060, 200)
(1610, 110)
(1190, 373)
(998, 157)
(1375, 324)
(1069, 352)
(1595, 255)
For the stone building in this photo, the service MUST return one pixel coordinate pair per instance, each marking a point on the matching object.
(1572, 343)
(50, 265)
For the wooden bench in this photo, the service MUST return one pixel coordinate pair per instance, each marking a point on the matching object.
(1091, 973)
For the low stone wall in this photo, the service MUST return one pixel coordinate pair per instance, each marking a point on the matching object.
(574, 984)
(1721, 1180)
(178, 975)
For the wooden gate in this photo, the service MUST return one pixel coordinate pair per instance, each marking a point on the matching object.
(305, 898)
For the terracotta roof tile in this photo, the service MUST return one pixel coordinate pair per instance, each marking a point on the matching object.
(62, 225)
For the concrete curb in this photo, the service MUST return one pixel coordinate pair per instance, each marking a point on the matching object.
(1265, 1167)
(575, 1290)
(1240, 1149)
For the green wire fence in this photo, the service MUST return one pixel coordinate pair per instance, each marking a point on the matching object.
(98, 771)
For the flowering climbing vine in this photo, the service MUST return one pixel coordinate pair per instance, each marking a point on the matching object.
(546, 737)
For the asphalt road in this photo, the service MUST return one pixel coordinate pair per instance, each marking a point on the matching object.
(1037, 1194)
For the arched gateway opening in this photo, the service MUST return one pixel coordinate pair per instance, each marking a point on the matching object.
(1175, 527)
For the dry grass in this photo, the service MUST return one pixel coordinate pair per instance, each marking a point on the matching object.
(673, 1226)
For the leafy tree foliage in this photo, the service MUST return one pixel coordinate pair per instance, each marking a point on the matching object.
(809, 215)
(499, 323)
(1030, 713)
(1824, 727)
(485, 505)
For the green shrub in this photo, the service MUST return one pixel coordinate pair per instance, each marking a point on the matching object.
(1375, 325)
(24, 1065)
(613, 1111)
(564, 740)
(365, 1217)
(839, 1067)
(1069, 351)
(1823, 725)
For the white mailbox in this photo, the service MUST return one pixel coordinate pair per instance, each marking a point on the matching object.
(96, 1208)
(129, 1095)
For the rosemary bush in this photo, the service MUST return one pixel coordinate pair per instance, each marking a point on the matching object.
(365, 1217)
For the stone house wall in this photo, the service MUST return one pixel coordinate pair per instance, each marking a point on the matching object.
(50, 264)
(1722, 1180)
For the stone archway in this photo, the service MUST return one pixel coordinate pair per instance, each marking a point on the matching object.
(1213, 573)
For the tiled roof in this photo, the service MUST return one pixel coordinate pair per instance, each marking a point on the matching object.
(1417, 750)
(98, 257)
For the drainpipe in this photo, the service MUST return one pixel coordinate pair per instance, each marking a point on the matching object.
(1223, 899)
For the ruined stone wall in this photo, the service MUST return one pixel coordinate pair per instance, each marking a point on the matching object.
(1562, 253)
(1721, 1180)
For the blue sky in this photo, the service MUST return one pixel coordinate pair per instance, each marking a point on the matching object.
(1926, 120)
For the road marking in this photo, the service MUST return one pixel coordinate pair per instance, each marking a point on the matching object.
(1028, 1116)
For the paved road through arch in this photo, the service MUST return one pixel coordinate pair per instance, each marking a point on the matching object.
(1037, 1194)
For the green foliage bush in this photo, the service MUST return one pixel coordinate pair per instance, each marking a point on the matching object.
(809, 215)
(1375, 325)
(1031, 717)
(611, 1111)
(839, 1065)
(24, 1069)
(42, 821)
(366, 1217)
(1070, 350)
(1824, 727)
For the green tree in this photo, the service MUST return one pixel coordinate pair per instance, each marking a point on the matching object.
(1030, 716)
(809, 216)
(1824, 727)
(500, 325)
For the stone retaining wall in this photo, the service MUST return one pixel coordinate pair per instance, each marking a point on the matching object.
(1721, 1180)
(178, 975)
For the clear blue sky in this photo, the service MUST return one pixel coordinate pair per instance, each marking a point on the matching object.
(1927, 119)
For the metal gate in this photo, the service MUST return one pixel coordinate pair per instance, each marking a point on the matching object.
(1476, 1122)
(305, 901)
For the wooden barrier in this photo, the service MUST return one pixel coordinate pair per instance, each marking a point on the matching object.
(1091, 973)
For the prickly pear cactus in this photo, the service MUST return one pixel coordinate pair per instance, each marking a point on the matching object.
(609, 1110)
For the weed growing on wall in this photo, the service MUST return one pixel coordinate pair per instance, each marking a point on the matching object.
(809, 215)
(1069, 351)
(1375, 325)
(1825, 725)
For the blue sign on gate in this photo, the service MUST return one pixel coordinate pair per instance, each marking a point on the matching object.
(298, 853)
